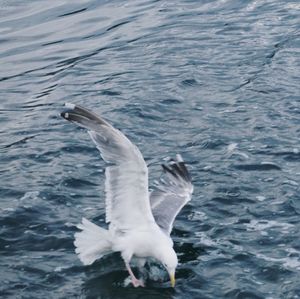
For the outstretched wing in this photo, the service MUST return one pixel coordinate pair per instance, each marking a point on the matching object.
(126, 185)
(171, 193)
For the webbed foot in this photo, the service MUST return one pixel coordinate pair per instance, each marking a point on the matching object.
(138, 283)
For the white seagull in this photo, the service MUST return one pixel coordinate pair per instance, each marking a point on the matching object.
(140, 222)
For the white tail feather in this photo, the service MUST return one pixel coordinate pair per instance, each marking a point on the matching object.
(92, 242)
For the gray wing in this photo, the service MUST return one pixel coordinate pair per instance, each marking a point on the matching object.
(126, 185)
(171, 193)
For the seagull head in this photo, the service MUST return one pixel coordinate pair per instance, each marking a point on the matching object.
(169, 260)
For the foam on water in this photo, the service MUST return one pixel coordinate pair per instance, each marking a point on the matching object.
(286, 262)
(261, 225)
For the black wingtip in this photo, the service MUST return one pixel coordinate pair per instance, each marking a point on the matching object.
(169, 170)
(184, 170)
(74, 112)
(69, 108)
(177, 169)
(64, 114)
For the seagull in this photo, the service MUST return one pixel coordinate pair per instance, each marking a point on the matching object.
(139, 221)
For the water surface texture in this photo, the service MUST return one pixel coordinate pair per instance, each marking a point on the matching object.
(217, 81)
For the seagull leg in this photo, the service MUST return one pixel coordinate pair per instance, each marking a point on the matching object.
(136, 282)
(141, 266)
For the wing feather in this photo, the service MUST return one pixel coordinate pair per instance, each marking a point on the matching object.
(172, 192)
(126, 185)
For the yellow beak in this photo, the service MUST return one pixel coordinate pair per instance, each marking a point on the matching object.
(172, 279)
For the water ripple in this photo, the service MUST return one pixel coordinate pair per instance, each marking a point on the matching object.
(217, 81)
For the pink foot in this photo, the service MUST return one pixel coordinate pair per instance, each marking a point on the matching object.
(137, 283)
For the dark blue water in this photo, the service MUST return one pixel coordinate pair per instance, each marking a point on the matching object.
(217, 81)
